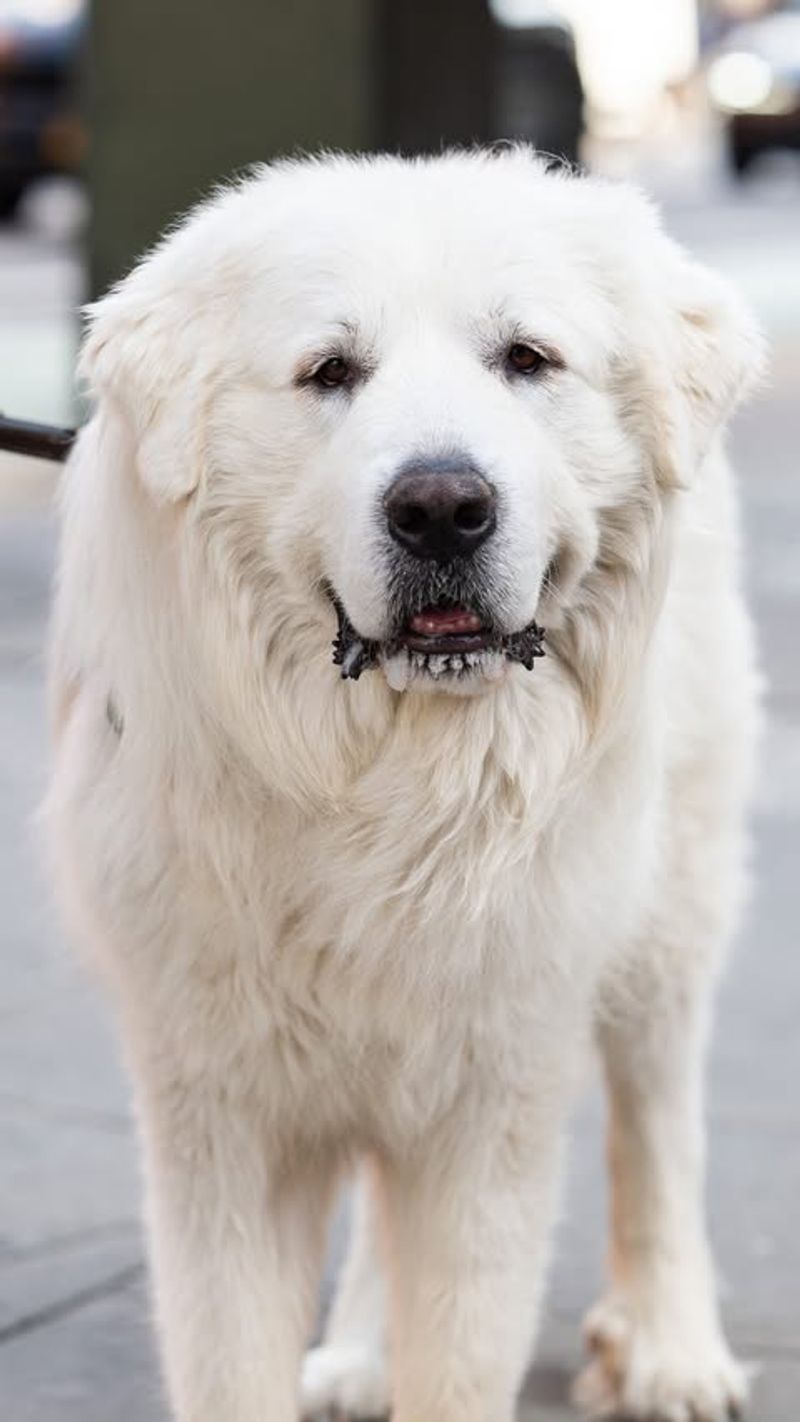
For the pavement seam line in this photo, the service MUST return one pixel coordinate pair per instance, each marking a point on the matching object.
(63, 1308)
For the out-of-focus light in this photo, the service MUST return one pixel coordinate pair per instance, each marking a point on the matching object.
(524, 14)
(40, 12)
(740, 81)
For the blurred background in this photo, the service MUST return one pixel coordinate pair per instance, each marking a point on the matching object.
(115, 117)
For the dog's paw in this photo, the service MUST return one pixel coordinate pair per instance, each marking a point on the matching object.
(657, 1372)
(349, 1380)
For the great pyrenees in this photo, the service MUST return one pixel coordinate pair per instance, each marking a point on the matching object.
(370, 902)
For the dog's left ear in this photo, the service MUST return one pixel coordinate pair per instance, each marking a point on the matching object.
(144, 355)
(710, 354)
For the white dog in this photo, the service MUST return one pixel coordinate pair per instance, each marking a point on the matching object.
(460, 411)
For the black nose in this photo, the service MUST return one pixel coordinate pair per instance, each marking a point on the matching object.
(439, 512)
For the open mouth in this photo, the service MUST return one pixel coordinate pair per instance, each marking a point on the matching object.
(441, 640)
(442, 631)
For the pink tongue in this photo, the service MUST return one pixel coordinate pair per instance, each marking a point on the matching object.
(445, 622)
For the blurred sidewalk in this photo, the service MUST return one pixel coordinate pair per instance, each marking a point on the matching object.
(75, 1344)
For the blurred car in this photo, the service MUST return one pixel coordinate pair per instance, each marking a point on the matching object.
(40, 129)
(754, 82)
(540, 91)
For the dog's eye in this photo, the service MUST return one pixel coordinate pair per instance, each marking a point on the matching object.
(334, 373)
(525, 360)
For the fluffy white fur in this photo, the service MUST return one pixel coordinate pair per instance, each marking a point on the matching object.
(339, 920)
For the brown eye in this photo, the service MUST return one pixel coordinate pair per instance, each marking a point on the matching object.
(334, 373)
(525, 360)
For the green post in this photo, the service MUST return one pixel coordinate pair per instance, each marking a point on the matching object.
(183, 93)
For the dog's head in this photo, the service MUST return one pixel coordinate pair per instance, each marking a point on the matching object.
(417, 394)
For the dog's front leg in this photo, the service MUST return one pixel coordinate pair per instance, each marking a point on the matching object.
(469, 1218)
(236, 1239)
(348, 1373)
(656, 1339)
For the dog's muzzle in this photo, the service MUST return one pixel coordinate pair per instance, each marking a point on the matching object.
(440, 514)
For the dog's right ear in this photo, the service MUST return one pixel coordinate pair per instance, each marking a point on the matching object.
(146, 357)
(712, 354)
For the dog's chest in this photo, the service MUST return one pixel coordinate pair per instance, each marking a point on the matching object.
(395, 903)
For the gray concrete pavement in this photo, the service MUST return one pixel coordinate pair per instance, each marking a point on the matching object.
(75, 1343)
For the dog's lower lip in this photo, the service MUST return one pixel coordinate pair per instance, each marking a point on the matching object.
(466, 642)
